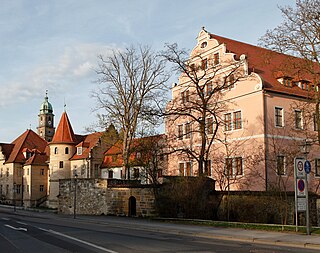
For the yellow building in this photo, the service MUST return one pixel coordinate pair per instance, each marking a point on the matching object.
(23, 170)
(73, 155)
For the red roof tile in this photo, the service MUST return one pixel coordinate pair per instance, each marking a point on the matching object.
(28, 140)
(6, 149)
(268, 64)
(88, 142)
(37, 159)
(113, 156)
(64, 132)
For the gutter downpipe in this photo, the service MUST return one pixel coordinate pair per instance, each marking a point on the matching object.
(265, 138)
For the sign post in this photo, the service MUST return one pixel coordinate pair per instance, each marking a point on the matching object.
(307, 169)
(302, 168)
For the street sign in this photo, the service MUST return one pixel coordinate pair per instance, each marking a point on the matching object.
(302, 204)
(307, 166)
(299, 167)
(301, 188)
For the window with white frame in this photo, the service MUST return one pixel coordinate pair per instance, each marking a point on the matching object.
(281, 165)
(185, 169)
(237, 121)
(227, 122)
(233, 121)
(79, 150)
(209, 88)
(233, 166)
(204, 64)
(298, 124)
(180, 132)
(209, 125)
(278, 114)
(185, 96)
(187, 128)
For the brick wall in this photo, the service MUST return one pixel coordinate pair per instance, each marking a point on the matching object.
(103, 196)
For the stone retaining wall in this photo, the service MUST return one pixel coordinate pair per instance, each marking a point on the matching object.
(97, 197)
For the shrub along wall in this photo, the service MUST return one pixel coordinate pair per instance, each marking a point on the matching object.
(196, 198)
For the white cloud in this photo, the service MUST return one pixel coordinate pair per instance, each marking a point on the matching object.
(74, 66)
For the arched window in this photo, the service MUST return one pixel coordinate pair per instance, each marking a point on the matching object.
(55, 150)
(66, 150)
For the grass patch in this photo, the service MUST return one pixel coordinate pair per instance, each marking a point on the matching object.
(253, 226)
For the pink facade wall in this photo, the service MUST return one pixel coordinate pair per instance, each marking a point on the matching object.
(258, 142)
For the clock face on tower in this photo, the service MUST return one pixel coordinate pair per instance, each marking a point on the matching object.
(41, 123)
(49, 122)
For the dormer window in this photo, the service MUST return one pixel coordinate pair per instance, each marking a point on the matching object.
(79, 150)
(304, 85)
(286, 81)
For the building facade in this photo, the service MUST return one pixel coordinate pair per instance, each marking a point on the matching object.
(242, 112)
(72, 156)
(148, 160)
(23, 170)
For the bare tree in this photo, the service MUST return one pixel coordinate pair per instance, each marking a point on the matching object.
(299, 35)
(132, 88)
(204, 82)
(151, 158)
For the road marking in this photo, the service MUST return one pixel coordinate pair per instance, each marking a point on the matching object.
(20, 222)
(23, 229)
(5, 218)
(78, 240)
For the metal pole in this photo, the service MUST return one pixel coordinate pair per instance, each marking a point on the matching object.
(295, 193)
(14, 197)
(307, 207)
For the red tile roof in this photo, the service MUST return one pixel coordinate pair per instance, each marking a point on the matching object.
(88, 142)
(6, 149)
(37, 159)
(64, 132)
(268, 64)
(113, 156)
(29, 140)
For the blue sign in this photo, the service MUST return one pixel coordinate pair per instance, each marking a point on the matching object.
(307, 166)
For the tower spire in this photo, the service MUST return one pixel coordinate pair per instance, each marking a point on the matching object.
(46, 120)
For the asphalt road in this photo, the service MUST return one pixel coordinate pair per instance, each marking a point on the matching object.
(25, 232)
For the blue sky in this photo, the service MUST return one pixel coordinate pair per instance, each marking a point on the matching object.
(53, 45)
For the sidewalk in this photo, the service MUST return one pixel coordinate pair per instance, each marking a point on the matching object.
(234, 234)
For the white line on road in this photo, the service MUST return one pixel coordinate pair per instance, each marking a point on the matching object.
(78, 240)
(5, 218)
(23, 229)
(20, 222)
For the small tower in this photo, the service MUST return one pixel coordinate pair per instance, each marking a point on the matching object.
(46, 118)
(62, 148)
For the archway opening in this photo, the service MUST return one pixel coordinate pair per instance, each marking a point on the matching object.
(132, 206)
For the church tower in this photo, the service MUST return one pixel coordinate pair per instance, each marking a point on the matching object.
(46, 117)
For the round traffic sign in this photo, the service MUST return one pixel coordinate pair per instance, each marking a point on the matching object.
(301, 185)
(300, 166)
(307, 166)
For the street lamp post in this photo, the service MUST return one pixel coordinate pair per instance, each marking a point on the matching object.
(14, 197)
(75, 195)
